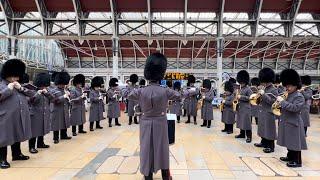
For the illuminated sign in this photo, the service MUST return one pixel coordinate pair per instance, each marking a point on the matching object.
(176, 76)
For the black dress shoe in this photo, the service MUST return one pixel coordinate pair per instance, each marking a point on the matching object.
(82, 132)
(110, 125)
(43, 146)
(203, 125)
(195, 123)
(248, 140)
(239, 136)
(187, 122)
(4, 164)
(99, 127)
(20, 157)
(33, 151)
(229, 132)
(118, 124)
(91, 129)
(258, 145)
(74, 134)
(208, 126)
(223, 130)
(55, 141)
(284, 159)
(268, 150)
(66, 137)
(178, 121)
(293, 164)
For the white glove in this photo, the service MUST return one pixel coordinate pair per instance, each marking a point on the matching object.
(280, 99)
(223, 101)
(44, 91)
(17, 85)
(203, 97)
(83, 96)
(261, 92)
(40, 91)
(193, 89)
(239, 96)
(66, 96)
(11, 86)
(100, 97)
(67, 92)
(114, 96)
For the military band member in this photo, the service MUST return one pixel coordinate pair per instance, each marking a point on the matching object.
(307, 94)
(142, 83)
(243, 115)
(113, 95)
(255, 83)
(153, 100)
(279, 86)
(267, 125)
(78, 109)
(228, 114)
(15, 124)
(175, 108)
(185, 105)
(190, 95)
(96, 101)
(207, 107)
(290, 131)
(60, 116)
(132, 86)
(40, 112)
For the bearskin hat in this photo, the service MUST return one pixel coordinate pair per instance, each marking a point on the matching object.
(306, 80)
(290, 77)
(233, 80)
(42, 80)
(142, 82)
(255, 81)
(113, 82)
(25, 79)
(13, 68)
(243, 77)
(97, 82)
(191, 79)
(177, 85)
(156, 66)
(277, 79)
(133, 78)
(79, 79)
(169, 84)
(206, 84)
(267, 75)
(62, 78)
(228, 86)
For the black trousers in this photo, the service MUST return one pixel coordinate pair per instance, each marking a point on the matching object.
(80, 128)
(115, 119)
(63, 133)
(178, 118)
(194, 118)
(209, 123)
(228, 127)
(32, 141)
(305, 130)
(165, 173)
(135, 119)
(268, 143)
(184, 112)
(15, 149)
(247, 133)
(294, 156)
(92, 123)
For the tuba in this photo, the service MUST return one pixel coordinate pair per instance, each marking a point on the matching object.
(276, 108)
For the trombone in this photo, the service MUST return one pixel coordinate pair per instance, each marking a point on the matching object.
(316, 96)
(276, 105)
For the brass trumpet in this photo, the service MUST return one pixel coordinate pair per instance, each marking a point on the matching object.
(276, 105)
(316, 96)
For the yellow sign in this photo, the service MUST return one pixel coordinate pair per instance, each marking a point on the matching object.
(176, 76)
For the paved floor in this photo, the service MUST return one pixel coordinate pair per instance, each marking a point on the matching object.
(198, 154)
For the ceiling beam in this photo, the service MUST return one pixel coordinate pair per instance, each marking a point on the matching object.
(149, 18)
(185, 18)
(256, 17)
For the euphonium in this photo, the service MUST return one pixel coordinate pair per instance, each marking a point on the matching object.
(276, 105)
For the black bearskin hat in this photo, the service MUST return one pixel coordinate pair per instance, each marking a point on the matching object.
(255, 81)
(42, 80)
(25, 79)
(233, 80)
(243, 77)
(97, 82)
(13, 68)
(206, 84)
(79, 79)
(62, 78)
(290, 77)
(155, 67)
(306, 80)
(191, 79)
(228, 86)
(177, 85)
(53, 76)
(133, 78)
(113, 82)
(169, 84)
(277, 79)
(267, 75)
(142, 82)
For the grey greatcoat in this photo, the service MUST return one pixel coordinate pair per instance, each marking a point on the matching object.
(78, 109)
(15, 123)
(191, 97)
(267, 124)
(131, 103)
(207, 107)
(40, 113)
(113, 95)
(305, 112)
(255, 108)
(60, 116)
(228, 115)
(96, 109)
(290, 131)
(244, 109)
(175, 108)
(154, 142)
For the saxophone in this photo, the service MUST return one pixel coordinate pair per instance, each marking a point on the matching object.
(221, 106)
(255, 98)
(236, 100)
(276, 107)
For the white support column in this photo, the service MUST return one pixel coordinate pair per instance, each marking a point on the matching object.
(220, 42)
(115, 57)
